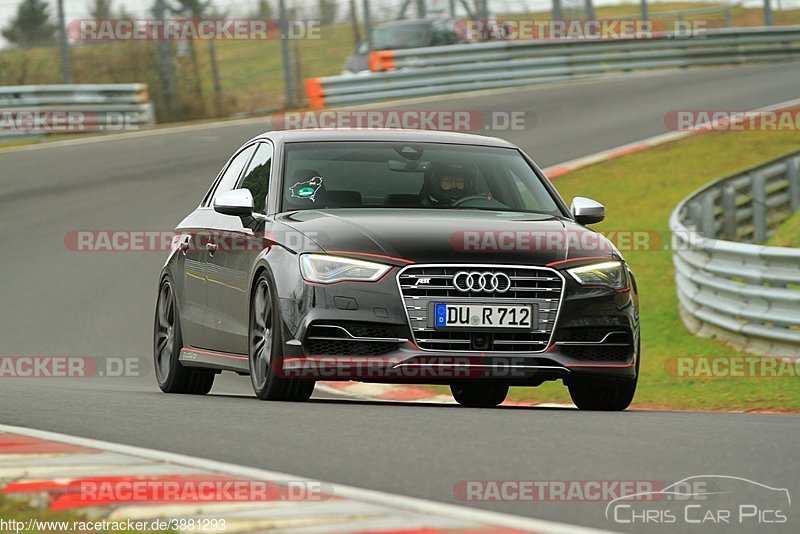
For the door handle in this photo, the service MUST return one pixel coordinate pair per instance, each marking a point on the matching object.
(211, 248)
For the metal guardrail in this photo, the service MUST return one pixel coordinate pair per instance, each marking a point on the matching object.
(465, 67)
(95, 107)
(729, 287)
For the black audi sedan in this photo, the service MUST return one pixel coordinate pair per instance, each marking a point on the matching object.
(395, 256)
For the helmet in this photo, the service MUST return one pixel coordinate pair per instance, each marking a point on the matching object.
(443, 183)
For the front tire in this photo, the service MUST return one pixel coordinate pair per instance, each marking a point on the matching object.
(479, 394)
(265, 324)
(167, 343)
(602, 394)
(605, 394)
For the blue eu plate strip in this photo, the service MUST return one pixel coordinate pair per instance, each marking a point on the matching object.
(441, 314)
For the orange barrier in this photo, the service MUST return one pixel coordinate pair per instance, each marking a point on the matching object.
(380, 60)
(316, 97)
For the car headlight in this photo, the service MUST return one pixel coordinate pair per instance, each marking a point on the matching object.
(611, 274)
(324, 269)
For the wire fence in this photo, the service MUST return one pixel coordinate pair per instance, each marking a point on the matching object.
(221, 77)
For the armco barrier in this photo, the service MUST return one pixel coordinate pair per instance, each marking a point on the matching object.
(464, 67)
(745, 293)
(106, 106)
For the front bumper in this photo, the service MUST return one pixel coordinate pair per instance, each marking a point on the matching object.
(360, 331)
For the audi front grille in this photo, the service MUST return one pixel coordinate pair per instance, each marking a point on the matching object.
(423, 285)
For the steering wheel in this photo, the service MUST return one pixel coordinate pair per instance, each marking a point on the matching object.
(466, 199)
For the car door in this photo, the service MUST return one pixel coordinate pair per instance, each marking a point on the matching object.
(199, 231)
(240, 241)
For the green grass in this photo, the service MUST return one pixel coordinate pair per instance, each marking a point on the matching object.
(640, 191)
(788, 233)
(19, 510)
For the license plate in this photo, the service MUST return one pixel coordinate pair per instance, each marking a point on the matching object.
(483, 315)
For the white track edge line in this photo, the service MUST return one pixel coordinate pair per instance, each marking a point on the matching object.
(372, 496)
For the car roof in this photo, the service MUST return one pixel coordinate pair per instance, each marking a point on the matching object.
(383, 134)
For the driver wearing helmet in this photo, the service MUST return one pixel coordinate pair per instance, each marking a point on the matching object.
(447, 184)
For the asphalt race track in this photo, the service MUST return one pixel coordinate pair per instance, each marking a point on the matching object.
(59, 302)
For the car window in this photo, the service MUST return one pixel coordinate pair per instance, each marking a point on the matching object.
(256, 177)
(231, 175)
(396, 36)
(323, 175)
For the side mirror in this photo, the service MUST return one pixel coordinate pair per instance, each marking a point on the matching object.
(587, 211)
(238, 202)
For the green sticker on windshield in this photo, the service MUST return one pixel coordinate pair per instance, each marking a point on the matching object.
(306, 190)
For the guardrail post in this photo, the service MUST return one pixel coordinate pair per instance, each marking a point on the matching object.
(729, 213)
(709, 226)
(759, 206)
(695, 215)
(793, 173)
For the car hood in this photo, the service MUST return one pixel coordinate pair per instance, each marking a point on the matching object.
(447, 236)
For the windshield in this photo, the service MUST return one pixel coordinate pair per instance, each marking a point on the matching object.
(411, 175)
(403, 36)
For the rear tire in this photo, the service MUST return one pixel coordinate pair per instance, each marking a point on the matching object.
(172, 376)
(265, 349)
(477, 394)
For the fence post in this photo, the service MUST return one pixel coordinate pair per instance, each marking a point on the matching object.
(558, 13)
(63, 43)
(287, 66)
(729, 212)
(759, 205)
(793, 173)
(709, 226)
(368, 25)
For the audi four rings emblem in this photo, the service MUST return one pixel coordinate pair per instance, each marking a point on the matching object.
(466, 281)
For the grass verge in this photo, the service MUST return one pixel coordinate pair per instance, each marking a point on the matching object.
(788, 233)
(640, 191)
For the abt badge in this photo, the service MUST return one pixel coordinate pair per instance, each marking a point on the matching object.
(423, 281)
